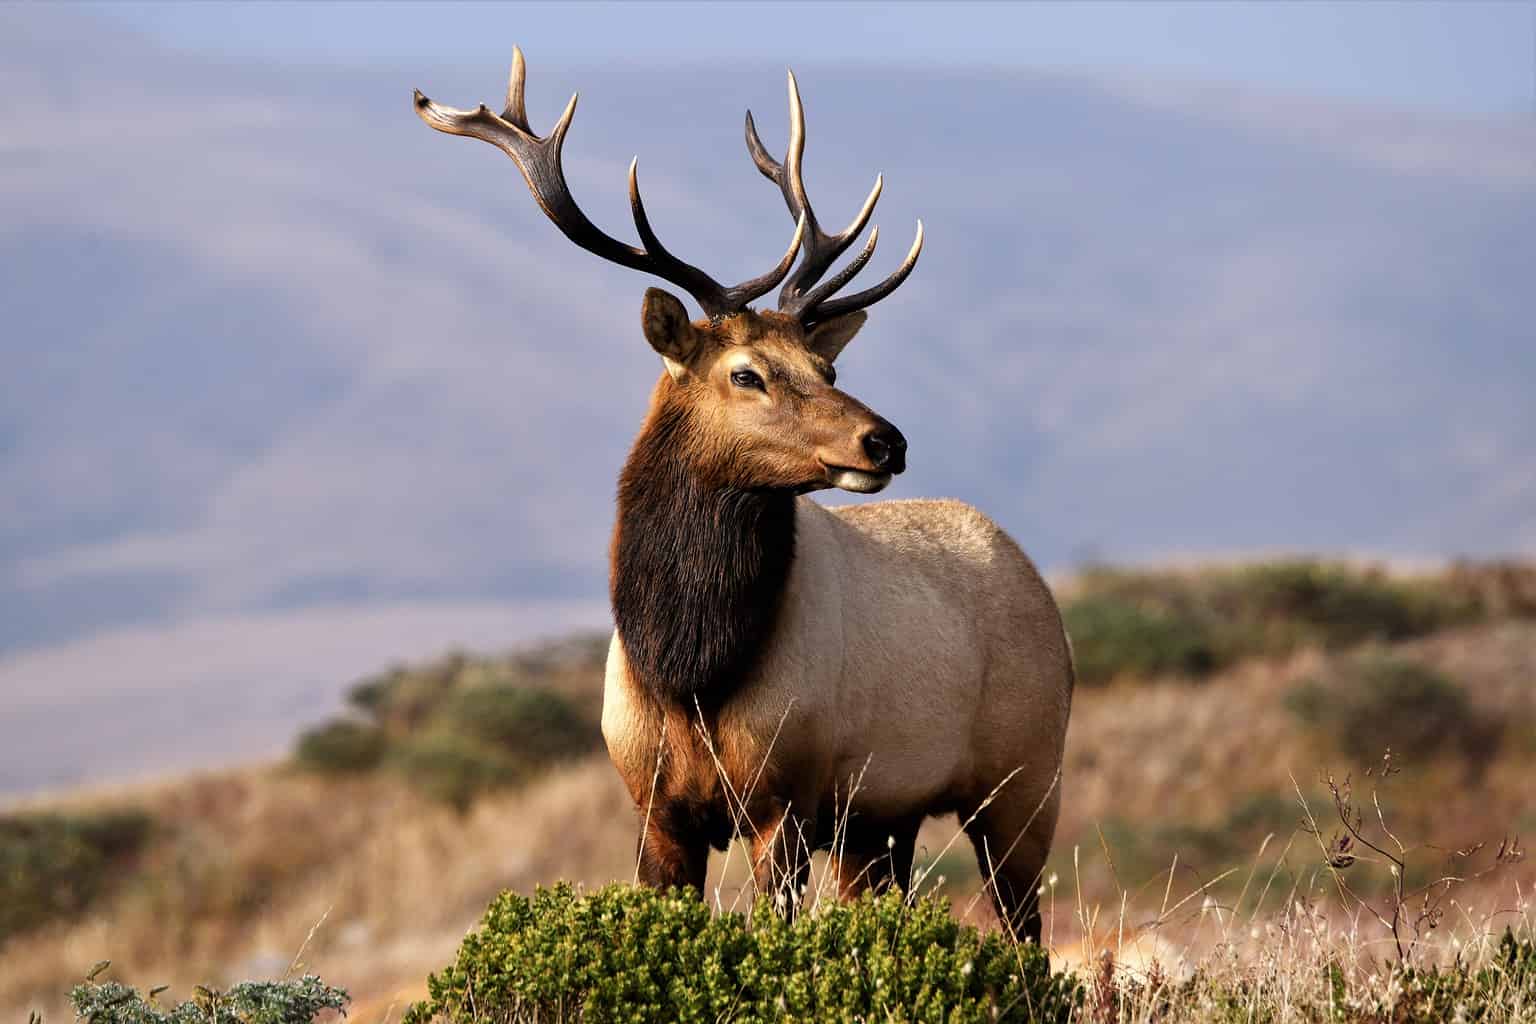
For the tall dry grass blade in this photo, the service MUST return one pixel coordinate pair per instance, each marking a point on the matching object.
(297, 957)
(650, 802)
(1243, 892)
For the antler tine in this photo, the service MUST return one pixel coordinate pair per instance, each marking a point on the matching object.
(794, 163)
(516, 111)
(823, 311)
(668, 266)
(733, 298)
(821, 248)
(842, 277)
(539, 161)
(798, 296)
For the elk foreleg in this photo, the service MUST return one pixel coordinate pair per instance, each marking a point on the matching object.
(781, 856)
(875, 857)
(673, 851)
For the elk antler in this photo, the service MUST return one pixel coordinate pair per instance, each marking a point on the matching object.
(799, 297)
(539, 160)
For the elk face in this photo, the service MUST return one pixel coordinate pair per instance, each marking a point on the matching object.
(763, 403)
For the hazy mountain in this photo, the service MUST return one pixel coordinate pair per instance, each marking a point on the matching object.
(275, 350)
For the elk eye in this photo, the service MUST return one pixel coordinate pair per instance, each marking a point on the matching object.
(747, 379)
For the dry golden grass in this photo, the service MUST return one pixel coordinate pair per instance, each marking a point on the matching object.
(373, 886)
(386, 882)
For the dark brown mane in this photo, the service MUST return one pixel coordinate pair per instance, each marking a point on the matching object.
(699, 566)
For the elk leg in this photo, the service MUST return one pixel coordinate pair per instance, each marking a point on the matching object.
(671, 853)
(1011, 850)
(875, 857)
(781, 858)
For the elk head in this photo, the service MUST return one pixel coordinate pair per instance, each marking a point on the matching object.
(755, 390)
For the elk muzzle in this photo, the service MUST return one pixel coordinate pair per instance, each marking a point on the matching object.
(882, 452)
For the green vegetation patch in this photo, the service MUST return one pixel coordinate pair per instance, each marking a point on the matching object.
(1502, 989)
(461, 726)
(1147, 623)
(531, 724)
(53, 865)
(1112, 636)
(341, 747)
(633, 954)
(453, 769)
(297, 1001)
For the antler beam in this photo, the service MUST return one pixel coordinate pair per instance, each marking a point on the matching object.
(539, 160)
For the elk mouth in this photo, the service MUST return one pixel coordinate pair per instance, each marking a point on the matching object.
(860, 481)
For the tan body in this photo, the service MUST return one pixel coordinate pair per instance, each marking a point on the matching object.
(918, 655)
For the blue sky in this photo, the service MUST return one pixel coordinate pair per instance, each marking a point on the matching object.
(1465, 56)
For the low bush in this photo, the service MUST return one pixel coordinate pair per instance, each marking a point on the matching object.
(406, 697)
(1329, 604)
(532, 725)
(1370, 703)
(1506, 983)
(1112, 636)
(632, 954)
(297, 1001)
(452, 768)
(462, 725)
(53, 865)
(341, 747)
(1191, 623)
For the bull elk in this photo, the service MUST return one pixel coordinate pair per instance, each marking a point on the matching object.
(769, 651)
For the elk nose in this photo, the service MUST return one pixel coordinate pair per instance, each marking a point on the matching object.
(886, 448)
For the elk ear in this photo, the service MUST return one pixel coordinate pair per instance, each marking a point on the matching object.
(828, 339)
(668, 329)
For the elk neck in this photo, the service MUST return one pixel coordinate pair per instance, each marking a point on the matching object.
(699, 562)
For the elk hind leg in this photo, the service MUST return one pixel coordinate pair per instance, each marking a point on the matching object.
(1012, 841)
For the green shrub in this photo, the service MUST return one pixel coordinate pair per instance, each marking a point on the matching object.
(1330, 604)
(1190, 623)
(405, 698)
(1112, 636)
(1373, 702)
(341, 747)
(451, 768)
(532, 725)
(461, 725)
(52, 865)
(1431, 996)
(632, 954)
(298, 1001)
